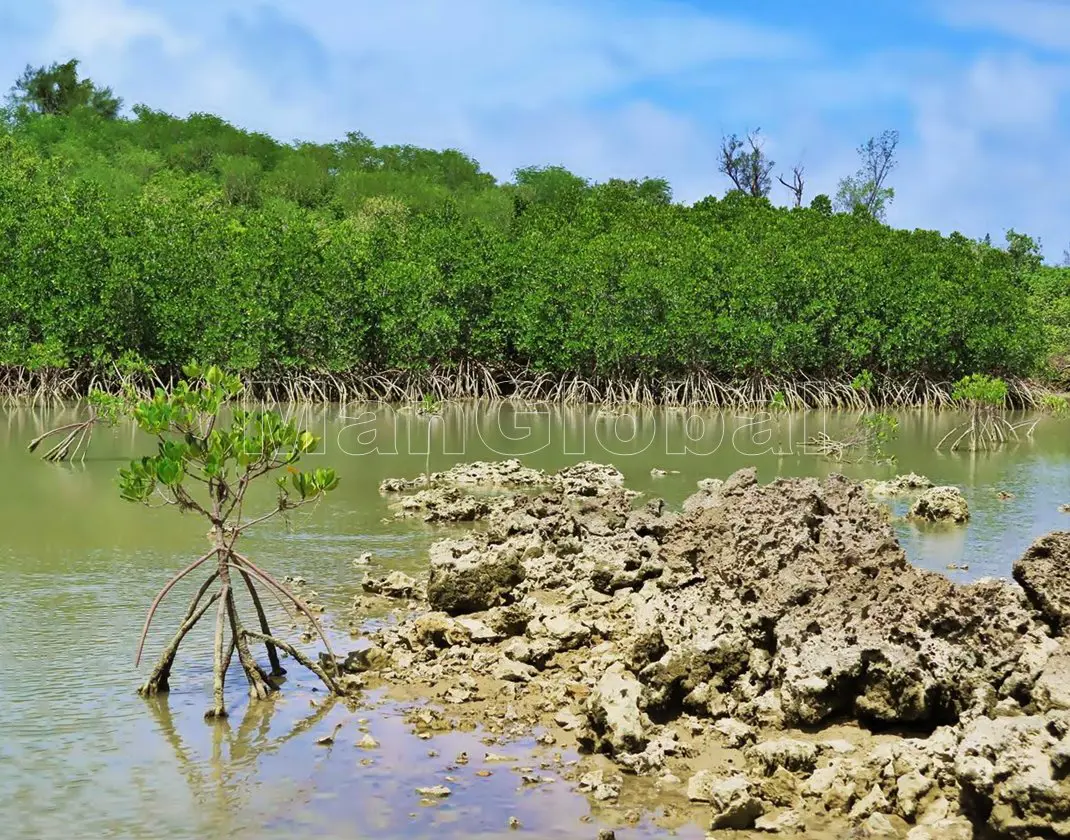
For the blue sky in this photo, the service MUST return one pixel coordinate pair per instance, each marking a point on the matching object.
(979, 89)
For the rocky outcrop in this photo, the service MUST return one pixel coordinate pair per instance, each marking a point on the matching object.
(761, 608)
(586, 479)
(394, 585)
(820, 614)
(510, 473)
(616, 723)
(941, 504)
(1044, 573)
(448, 504)
(465, 579)
(733, 802)
(1013, 774)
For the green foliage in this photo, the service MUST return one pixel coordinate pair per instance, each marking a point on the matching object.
(1049, 293)
(863, 381)
(881, 429)
(196, 444)
(980, 389)
(822, 204)
(173, 239)
(429, 405)
(56, 89)
(1057, 404)
(864, 193)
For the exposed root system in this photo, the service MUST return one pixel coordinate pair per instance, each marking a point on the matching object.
(472, 380)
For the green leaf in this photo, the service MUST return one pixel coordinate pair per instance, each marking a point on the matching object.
(168, 472)
(213, 376)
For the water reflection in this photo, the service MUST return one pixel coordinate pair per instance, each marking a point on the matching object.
(232, 749)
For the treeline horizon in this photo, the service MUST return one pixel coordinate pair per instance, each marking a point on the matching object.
(177, 239)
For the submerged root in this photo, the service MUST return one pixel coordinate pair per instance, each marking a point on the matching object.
(259, 686)
(261, 683)
(157, 682)
(219, 709)
(327, 679)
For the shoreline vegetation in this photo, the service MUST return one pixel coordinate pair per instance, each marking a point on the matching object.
(476, 382)
(351, 269)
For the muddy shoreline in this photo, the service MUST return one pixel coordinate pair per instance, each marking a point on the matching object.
(764, 660)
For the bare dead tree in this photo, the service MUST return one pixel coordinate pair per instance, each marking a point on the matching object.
(866, 189)
(796, 185)
(746, 165)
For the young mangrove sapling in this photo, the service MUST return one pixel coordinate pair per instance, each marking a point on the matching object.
(206, 463)
(984, 398)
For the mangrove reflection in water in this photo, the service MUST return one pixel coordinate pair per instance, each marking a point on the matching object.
(83, 756)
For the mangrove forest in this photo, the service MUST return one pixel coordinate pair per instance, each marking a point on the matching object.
(165, 240)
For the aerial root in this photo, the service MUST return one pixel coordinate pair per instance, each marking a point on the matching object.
(250, 567)
(160, 596)
(273, 655)
(219, 709)
(298, 656)
(157, 682)
(259, 686)
(479, 381)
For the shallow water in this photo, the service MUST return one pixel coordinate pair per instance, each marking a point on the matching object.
(82, 756)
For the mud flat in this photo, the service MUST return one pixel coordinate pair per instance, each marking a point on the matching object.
(765, 660)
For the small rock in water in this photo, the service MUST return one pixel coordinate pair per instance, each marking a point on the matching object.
(436, 791)
(900, 485)
(394, 585)
(941, 504)
(514, 823)
(363, 560)
(1064, 508)
(368, 743)
(607, 834)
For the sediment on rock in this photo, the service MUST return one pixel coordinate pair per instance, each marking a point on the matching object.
(753, 620)
(941, 504)
(898, 486)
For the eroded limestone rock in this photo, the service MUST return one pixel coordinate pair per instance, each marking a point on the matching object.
(941, 504)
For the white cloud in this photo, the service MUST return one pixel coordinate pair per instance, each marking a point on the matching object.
(644, 89)
(97, 27)
(1045, 23)
(989, 152)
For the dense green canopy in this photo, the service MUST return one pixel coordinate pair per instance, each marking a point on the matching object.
(180, 239)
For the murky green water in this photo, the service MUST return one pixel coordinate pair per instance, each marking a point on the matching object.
(82, 756)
